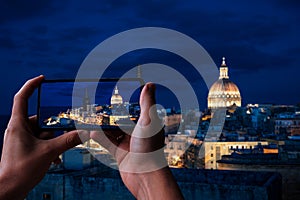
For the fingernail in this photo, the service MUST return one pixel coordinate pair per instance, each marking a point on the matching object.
(151, 87)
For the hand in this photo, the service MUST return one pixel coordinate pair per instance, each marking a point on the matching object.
(140, 156)
(26, 158)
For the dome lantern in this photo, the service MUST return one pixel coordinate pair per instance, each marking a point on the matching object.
(223, 70)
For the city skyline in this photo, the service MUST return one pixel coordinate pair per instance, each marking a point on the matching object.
(259, 40)
(61, 107)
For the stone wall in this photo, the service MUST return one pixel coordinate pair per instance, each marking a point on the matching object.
(195, 184)
(290, 175)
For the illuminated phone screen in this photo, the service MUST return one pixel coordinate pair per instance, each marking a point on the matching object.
(106, 103)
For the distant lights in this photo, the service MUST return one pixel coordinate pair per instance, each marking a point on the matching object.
(252, 105)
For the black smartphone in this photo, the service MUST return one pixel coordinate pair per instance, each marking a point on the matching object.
(88, 104)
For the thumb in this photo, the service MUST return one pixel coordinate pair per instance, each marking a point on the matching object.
(148, 104)
(149, 123)
(69, 140)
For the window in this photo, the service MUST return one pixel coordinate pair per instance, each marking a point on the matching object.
(292, 155)
(218, 153)
(211, 155)
(46, 196)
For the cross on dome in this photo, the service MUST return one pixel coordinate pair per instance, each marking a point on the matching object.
(223, 62)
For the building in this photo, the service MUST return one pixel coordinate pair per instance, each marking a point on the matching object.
(261, 117)
(287, 123)
(85, 100)
(223, 93)
(213, 151)
(116, 98)
(175, 148)
(172, 122)
(286, 162)
(77, 159)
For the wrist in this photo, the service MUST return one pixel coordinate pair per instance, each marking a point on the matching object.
(143, 163)
(159, 184)
(149, 183)
(11, 188)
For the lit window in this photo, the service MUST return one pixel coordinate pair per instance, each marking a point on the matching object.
(46, 196)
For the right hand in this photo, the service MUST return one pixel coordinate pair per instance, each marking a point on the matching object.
(140, 156)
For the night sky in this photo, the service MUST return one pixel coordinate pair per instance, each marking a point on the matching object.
(59, 94)
(260, 40)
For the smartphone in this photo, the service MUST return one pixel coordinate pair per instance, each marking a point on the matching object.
(88, 104)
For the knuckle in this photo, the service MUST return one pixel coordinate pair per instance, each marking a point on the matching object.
(8, 130)
(71, 141)
(17, 96)
(11, 128)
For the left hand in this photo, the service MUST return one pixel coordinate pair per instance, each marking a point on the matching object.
(26, 158)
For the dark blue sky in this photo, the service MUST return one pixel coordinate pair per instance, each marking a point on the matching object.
(260, 39)
(59, 94)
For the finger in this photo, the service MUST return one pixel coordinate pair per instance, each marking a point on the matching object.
(149, 123)
(69, 140)
(21, 98)
(46, 135)
(33, 124)
(109, 143)
(33, 120)
(117, 148)
(147, 103)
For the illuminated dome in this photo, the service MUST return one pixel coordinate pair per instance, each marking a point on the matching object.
(223, 93)
(116, 98)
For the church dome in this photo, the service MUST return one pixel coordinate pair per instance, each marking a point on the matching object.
(116, 98)
(223, 93)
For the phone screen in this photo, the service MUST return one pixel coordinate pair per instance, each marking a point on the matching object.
(88, 104)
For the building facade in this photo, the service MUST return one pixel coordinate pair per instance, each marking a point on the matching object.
(215, 150)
